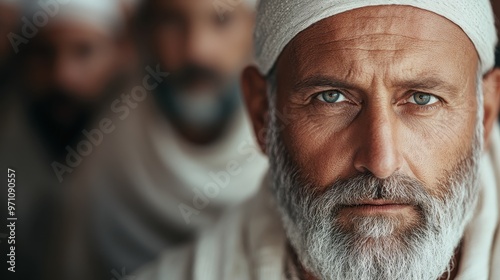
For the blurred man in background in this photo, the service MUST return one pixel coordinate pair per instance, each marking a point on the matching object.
(72, 65)
(180, 156)
(69, 57)
(204, 52)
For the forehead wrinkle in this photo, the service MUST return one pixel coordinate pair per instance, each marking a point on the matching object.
(367, 42)
(335, 47)
(381, 21)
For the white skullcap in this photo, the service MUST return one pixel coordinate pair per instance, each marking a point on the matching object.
(103, 14)
(279, 21)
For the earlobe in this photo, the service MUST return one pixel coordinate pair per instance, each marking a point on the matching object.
(254, 88)
(491, 84)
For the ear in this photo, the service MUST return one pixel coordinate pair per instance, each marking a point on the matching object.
(254, 88)
(491, 86)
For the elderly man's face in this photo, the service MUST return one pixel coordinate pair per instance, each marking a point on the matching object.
(381, 91)
(374, 155)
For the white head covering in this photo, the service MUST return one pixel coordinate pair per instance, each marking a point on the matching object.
(102, 14)
(279, 21)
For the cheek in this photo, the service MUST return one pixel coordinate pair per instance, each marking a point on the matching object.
(320, 146)
(434, 147)
(169, 50)
(98, 74)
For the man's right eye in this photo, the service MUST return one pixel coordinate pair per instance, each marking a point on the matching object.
(331, 96)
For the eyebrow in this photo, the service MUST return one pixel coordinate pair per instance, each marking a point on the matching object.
(428, 83)
(321, 81)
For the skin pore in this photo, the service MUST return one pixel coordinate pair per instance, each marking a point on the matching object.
(380, 91)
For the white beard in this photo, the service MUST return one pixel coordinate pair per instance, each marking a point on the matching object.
(374, 247)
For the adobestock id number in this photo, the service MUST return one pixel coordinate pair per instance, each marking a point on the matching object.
(11, 219)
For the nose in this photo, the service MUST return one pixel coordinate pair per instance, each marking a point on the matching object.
(378, 151)
(200, 44)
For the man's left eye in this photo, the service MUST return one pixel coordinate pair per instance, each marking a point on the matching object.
(423, 99)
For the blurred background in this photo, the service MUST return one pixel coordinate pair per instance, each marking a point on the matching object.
(124, 125)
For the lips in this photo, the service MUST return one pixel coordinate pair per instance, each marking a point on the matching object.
(377, 206)
(380, 202)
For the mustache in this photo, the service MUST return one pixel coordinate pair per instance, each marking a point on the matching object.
(399, 188)
(193, 73)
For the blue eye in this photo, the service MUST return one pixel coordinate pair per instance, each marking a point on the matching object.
(331, 96)
(422, 99)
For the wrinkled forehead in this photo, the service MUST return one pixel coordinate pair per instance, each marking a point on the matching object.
(382, 37)
(414, 23)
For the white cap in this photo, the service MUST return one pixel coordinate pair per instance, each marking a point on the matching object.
(279, 21)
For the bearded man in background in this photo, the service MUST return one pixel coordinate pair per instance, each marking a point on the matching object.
(179, 157)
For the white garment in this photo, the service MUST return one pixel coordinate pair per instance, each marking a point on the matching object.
(132, 209)
(250, 242)
(279, 21)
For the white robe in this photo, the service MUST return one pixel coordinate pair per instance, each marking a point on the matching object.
(129, 210)
(250, 242)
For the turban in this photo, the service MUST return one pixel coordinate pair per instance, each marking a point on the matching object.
(279, 21)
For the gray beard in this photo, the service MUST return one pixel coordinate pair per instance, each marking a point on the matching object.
(375, 247)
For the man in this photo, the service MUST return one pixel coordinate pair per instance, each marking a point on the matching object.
(376, 115)
(205, 50)
(72, 65)
(68, 54)
(180, 156)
